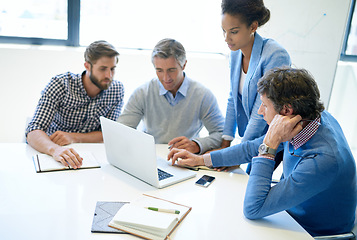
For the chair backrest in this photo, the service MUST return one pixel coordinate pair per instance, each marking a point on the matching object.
(27, 121)
(354, 229)
(347, 236)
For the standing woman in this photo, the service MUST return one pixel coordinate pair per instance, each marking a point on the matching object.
(251, 57)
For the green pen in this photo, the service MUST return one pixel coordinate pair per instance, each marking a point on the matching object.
(164, 210)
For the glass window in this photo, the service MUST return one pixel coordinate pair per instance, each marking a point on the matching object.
(34, 18)
(351, 47)
(142, 23)
(136, 24)
(344, 89)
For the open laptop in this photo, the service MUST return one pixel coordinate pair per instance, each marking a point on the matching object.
(134, 152)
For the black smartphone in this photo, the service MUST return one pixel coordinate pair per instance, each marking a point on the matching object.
(205, 181)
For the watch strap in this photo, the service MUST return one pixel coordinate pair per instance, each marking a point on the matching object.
(265, 149)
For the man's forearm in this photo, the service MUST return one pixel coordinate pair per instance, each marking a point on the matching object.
(40, 141)
(92, 137)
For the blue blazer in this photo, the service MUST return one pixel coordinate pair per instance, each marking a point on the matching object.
(266, 54)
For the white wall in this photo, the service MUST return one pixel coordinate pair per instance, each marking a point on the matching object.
(312, 32)
(25, 71)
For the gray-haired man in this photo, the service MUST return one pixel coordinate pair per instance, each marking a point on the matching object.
(173, 107)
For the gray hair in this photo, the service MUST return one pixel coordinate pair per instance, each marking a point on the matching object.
(167, 48)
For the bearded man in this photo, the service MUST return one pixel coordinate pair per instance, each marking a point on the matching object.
(71, 104)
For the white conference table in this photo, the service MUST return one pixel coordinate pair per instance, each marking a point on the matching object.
(60, 205)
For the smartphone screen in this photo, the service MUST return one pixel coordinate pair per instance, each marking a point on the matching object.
(205, 181)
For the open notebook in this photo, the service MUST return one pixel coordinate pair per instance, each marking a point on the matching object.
(45, 163)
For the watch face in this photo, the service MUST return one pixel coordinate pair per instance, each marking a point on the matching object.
(262, 148)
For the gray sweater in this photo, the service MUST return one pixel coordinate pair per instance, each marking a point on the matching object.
(163, 121)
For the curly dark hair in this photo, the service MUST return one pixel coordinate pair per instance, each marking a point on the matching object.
(296, 87)
(247, 11)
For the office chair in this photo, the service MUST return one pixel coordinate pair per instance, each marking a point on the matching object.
(27, 121)
(348, 236)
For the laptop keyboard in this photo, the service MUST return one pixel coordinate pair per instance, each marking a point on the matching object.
(163, 175)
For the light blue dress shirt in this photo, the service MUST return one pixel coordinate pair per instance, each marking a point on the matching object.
(181, 93)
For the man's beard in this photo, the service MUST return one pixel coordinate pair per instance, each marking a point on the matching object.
(96, 82)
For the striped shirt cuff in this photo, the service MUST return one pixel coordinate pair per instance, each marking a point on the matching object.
(263, 156)
(207, 160)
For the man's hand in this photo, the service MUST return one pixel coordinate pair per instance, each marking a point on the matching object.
(186, 158)
(68, 157)
(62, 138)
(225, 144)
(282, 129)
(226, 169)
(39, 140)
(184, 143)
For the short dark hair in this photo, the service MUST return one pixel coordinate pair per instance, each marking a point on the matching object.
(247, 11)
(99, 49)
(297, 87)
(167, 48)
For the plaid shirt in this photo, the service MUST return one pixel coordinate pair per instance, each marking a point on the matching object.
(304, 135)
(66, 106)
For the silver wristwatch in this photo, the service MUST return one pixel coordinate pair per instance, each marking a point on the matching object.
(265, 149)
